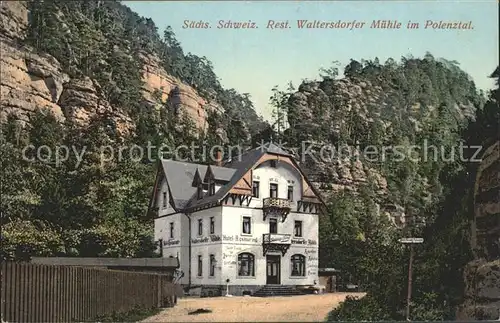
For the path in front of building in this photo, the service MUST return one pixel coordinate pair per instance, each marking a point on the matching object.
(306, 308)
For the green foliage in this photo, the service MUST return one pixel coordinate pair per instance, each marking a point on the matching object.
(135, 315)
(65, 206)
(97, 206)
(106, 41)
(330, 73)
(364, 309)
(438, 284)
(279, 101)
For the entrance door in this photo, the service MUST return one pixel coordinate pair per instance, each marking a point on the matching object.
(273, 269)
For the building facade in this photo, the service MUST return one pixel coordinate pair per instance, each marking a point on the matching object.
(245, 224)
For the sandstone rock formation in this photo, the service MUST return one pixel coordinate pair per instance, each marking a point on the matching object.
(482, 275)
(335, 168)
(31, 80)
(364, 110)
(28, 80)
(157, 83)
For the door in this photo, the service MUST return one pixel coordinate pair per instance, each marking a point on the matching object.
(273, 269)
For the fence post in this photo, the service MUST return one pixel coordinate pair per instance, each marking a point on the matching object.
(159, 305)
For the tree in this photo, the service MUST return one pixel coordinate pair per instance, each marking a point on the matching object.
(330, 73)
(353, 69)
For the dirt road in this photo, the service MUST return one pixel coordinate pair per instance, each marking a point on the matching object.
(305, 308)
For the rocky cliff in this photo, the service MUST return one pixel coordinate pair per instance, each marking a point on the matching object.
(376, 109)
(31, 80)
(158, 83)
(482, 275)
(332, 102)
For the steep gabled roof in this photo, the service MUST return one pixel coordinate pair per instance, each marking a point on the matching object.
(242, 164)
(180, 176)
(221, 174)
(197, 178)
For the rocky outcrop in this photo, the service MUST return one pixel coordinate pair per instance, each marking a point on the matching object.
(158, 85)
(28, 80)
(486, 242)
(334, 168)
(482, 275)
(482, 293)
(31, 80)
(363, 111)
(341, 167)
(310, 107)
(14, 22)
(80, 101)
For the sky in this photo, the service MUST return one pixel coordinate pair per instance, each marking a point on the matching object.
(255, 60)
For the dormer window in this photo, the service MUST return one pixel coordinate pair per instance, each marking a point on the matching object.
(200, 191)
(211, 188)
(165, 201)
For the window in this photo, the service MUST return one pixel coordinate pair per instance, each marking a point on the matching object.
(298, 265)
(165, 199)
(255, 189)
(246, 264)
(211, 188)
(297, 229)
(212, 225)
(247, 225)
(160, 246)
(273, 225)
(200, 227)
(212, 265)
(200, 191)
(171, 230)
(200, 266)
(273, 190)
(290, 193)
(273, 163)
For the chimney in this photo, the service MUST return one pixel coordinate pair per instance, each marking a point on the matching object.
(218, 157)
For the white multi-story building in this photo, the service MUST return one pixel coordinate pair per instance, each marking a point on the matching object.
(249, 223)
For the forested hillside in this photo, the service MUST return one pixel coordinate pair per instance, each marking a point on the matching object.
(86, 75)
(424, 192)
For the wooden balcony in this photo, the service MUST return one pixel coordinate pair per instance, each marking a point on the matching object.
(276, 206)
(276, 242)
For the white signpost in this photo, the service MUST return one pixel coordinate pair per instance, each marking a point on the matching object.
(411, 242)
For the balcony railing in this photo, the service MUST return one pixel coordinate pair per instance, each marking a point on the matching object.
(276, 242)
(277, 238)
(276, 202)
(276, 206)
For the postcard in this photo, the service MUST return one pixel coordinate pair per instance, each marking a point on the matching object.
(249, 161)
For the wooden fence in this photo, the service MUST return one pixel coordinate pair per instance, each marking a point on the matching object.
(53, 293)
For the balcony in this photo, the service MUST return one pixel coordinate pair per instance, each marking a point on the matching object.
(276, 206)
(276, 242)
